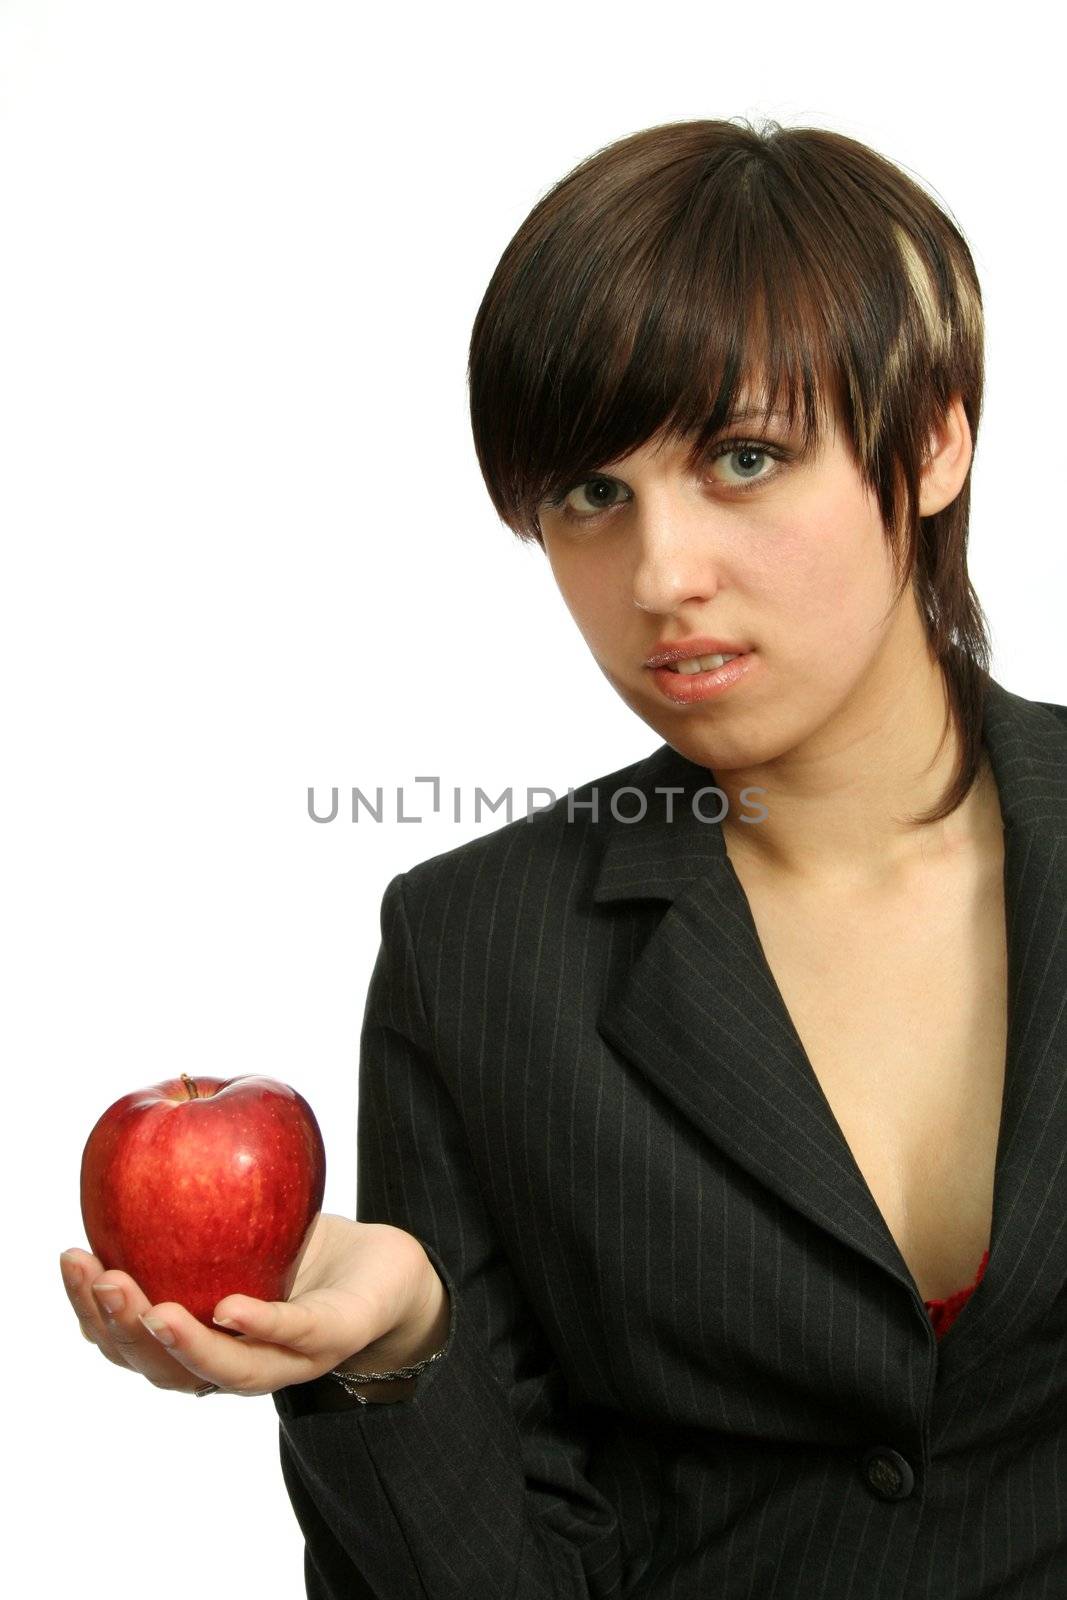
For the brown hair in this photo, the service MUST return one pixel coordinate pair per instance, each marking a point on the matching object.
(648, 285)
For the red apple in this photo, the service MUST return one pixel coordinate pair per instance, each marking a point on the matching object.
(204, 1187)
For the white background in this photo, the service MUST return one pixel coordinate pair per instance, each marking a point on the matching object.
(246, 549)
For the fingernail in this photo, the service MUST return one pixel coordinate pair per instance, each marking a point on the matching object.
(224, 1322)
(159, 1329)
(109, 1297)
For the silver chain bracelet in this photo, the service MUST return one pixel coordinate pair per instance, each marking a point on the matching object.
(345, 1379)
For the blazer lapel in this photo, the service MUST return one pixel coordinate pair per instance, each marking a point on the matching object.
(700, 1013)
(1027, 1267)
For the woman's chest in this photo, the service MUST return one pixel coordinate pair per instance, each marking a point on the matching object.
(900, 1003)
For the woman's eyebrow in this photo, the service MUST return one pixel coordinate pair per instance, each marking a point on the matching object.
(755, 415)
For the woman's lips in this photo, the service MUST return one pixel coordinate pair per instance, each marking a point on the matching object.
(685, 688)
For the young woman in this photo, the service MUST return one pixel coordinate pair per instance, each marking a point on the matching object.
(727, 1097)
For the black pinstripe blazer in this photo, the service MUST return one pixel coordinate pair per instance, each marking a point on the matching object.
(686, 1357)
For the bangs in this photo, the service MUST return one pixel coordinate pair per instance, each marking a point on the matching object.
(687, 275)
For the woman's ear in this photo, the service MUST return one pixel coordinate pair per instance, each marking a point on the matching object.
(947, 461)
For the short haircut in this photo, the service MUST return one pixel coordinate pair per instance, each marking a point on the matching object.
(669, 271)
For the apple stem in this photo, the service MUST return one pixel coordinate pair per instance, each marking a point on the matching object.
(190, 1087)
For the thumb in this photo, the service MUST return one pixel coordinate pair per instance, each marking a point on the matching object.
(313, 1324)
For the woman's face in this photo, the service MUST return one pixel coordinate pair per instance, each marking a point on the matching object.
(782, 557)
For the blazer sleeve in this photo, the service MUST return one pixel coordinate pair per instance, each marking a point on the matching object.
(476, 1485)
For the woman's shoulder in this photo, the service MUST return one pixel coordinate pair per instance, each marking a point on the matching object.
(1057, 710)
(1036, 728)
(552, 836)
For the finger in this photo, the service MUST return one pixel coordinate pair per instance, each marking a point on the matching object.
(79, 1269)
(138, 1344)
(318, 1326)
(248, 1365)
(74, 1265)
(291, 1323)
(107, 1303)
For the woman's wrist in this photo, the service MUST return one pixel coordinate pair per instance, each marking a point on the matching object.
(405, 1347)
(424, 1336)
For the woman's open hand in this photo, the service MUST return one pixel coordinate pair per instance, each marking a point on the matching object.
(361, 1289)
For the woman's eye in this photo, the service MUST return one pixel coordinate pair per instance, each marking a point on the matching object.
(749, 458)
(589, 498)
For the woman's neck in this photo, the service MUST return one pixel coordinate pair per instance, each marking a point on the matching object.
(837, 805)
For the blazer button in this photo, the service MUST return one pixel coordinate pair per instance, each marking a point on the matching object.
(887, 1472)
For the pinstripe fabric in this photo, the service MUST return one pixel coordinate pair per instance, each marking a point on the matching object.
(678, 1318)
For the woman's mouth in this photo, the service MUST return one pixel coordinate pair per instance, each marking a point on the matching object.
(702, 663)
(702, 677)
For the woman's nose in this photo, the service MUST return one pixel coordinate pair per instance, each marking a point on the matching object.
(675, 563)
